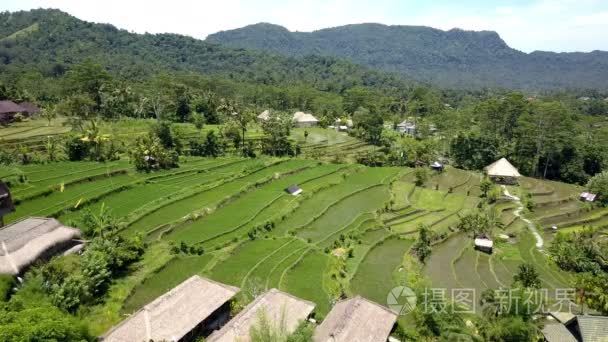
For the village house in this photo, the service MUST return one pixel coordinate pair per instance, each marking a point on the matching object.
(279, 308)
(31, 239)
(587, 197)
(406, 127)
(503, 172)
(192, 309)
(8, 110)
(29, 109)
(264, 116)
(301, 119)
(356, 319)
(567, 327)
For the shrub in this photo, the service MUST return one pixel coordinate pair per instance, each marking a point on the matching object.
(598, 184)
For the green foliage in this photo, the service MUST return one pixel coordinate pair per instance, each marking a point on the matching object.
(527, 276)
(40, 323)
(6, 285)
(422, 247)
(72, 282)
(421, 176)
(149, 154)
(599, 185)
(450, 59)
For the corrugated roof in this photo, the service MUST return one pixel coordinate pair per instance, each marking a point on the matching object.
(502, 168)
(22, 242)
(557, 332)
(356, 320)
(282, 310)
(10, 107)
(593, 328)
(174, 314)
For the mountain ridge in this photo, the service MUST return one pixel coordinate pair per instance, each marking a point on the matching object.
(449, 58)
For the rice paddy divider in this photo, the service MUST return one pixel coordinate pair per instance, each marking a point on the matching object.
(253, 268)
(196, 215)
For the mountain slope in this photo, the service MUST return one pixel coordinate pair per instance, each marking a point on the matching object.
(453, 58)
(52, 40)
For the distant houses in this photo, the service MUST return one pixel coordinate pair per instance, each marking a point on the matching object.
(9, 109)
(503, 172)
(406, 127)
(31, 239)
(281, 310)
(356, 319)
(194, 308)
(299, 119)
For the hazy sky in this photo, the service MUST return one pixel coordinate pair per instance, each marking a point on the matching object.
(527, 25)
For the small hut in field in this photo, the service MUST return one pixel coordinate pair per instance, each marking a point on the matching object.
(356, 319)
(28, 240)
(8, 110)
(501, 171)
(484, 244)
(301, 119)
(280, 309)
(192, 309)
(264, 116)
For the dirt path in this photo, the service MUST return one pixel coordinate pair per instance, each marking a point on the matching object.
(539, 239)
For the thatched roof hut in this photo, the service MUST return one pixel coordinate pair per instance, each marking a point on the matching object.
(502, 171)
(29, 108)
(356, 319)
(10, 107)
(27, 240)
(302, 119)
(281, 309)
(191, 306)
(265, 115)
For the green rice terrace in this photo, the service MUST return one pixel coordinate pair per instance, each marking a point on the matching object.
(349, 232)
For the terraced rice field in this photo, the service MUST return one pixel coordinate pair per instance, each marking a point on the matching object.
(256, 236)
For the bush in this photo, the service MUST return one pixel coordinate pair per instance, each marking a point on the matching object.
(149, 154)
(76, 149)
(598, 184)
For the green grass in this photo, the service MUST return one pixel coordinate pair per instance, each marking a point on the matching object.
(125, 202)
(374, 276)
(206, 199)
(305, 280)
(341, 215)
(244, 258)
(243, 211)
(172, 274)
(261, 273)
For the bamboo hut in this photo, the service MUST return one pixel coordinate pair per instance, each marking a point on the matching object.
(28, 240)
(192, 309)
(356, 319)
(282, 310)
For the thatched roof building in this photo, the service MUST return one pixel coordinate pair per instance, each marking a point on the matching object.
(27, 240)
(302, 119)
(502, 171)
(294, 190)
(557, 332)
(356, 319)
(8, 109)
(29, 108)
(194, 306)
(280, 309)
(264, 116)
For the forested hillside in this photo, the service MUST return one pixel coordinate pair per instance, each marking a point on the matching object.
(52, 41)
(453, 58)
